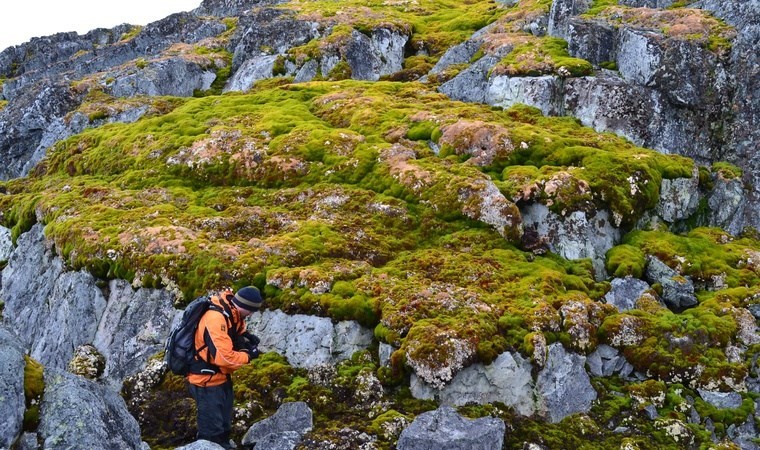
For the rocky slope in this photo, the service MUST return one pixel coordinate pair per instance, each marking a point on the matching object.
(540, 213)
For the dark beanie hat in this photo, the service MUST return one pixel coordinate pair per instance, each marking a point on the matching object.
(248, 298)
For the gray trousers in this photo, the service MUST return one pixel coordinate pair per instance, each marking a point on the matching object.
(214, 417)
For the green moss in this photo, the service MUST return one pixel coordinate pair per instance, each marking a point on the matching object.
(141, 63)
(726, 170)
(609, 65)
(129, 35)
(547, 55)
(34, 387)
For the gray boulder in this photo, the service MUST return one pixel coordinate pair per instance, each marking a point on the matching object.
(308, 341)
(625, 292)
(12, 400)
(679, 198)
(201, 445)
(79, 413)
(173, 76)
(606, 361)
(471, 84)
(380, 53)
(458, 54)
(24, 120)
(227, 8)
(254, 69)
(721, 400)
(445, 429)
(544, 93)
(267, 31)
(563, 385)
(561, 12)
(727, 202)
(677, 290)
(133, 327)
(285, 427)
(508, 380)
(575, 236)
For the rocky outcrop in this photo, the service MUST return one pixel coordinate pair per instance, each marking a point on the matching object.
(677, 290)
(25, 121)
(308, 341)
(12, 400)
(727, 202)
(625, 292)
(63, 310)
(444, 429)
(283, 430)
(133, 327)
(679, 198)
(575, 236)
(79, 413)
(226, 8)
(507, 380)
(471, 84)
(607, 361)
(172, 76)
(563, 386)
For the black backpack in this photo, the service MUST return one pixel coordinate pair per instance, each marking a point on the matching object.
(180, 349)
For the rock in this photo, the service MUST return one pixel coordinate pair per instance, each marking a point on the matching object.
(12, 400)
(173, 76)
(227, 8)
(79, 413)
(607, 361)
(542, 92)
(721, 400)
(679, 198)
(471, 84)
(87, 362)
(677, 290)
(508, 380)
(287, 425)
(133, 327)
(308, 341)
(384, 352)
(254, 69)
(6, 244)
(625, 292)
(444, 429)
(563, 386)
(458, 54)
(269, 31)
(727, 202)
(58, 310)
(24, 121)
(575, 236)
(28, 441)
(561, 12)
(343, 439)
(201, 445)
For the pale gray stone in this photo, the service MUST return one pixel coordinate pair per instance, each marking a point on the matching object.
(294, 417)
(384, 352)
(458, 54)
(471, 84)
(677, 290)
(563, 385)
(308, 341)
(6, 244)
(201, 445)
(679, 198)
(445, 429)
(721, 400)
(12, 400)
(253, 70)
(507, 379)
(625, 292)
(133, 327)
(543, 92)
(575, 236)
(79, 413)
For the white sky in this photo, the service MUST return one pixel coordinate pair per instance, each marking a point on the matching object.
(21, 20)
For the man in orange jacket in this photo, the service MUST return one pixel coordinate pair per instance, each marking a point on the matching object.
(223, 346)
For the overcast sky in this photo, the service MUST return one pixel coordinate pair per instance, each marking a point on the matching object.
(22, 20)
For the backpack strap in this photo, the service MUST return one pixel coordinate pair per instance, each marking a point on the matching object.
(204, 366)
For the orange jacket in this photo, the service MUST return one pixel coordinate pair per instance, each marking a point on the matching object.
(215, 344)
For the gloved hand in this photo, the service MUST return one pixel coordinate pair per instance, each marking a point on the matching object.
(253, 353)
(251, 338)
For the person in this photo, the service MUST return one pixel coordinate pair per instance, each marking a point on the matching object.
(223, 346)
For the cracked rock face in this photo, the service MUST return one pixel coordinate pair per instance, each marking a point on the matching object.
(12, 400)
(308, 341)
(563, 385)
(445, 429)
